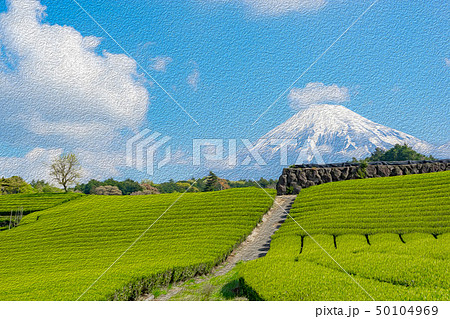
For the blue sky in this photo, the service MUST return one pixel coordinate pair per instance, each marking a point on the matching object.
(225, 62)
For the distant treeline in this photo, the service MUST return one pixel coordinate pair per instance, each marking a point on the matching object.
(17, 185)
(147, 187)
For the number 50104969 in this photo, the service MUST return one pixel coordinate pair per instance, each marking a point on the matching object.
(407, 310)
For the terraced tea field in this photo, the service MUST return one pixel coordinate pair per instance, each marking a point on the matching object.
(10, 204)
(56, 254)
(33, 202)
(392, 235)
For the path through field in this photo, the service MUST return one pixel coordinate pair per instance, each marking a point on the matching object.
(255, 246)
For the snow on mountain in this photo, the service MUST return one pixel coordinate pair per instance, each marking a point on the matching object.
(442, 151)
(334, 133)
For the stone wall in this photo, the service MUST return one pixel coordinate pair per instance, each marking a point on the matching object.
(295, 178)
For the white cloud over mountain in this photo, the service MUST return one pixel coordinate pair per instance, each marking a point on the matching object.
(317, 93)
(54, 83)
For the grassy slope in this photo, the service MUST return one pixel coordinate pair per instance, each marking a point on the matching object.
(33, 202)
(415, 206)
(59, 255)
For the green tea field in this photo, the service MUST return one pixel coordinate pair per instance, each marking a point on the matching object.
(33, 202)
(28, 203)
(390, 235)
(57, 253)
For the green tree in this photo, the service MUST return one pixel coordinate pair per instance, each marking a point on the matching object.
(397, 153)
(211, 182)
(167, 187)
(129, 186)
(377, 154)
(89, 187)
(14, 185)
(42, 186)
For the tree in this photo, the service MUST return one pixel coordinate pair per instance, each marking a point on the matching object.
(129, 186)
(148, 188)
(397, 153)
(107, 190)
(42, 186)
(211, 182)
(14, 185)
(89, 187)
(167, 187)
(66, 170)
(222, 184)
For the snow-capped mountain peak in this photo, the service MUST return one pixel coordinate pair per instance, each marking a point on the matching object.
(337, 133)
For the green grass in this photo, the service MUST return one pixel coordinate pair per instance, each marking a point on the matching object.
(60, 254)
(33, 202)
(392, 236)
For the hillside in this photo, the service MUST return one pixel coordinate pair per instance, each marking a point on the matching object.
(390, 234)
(33, 202)
(28, 203)
(56, 254)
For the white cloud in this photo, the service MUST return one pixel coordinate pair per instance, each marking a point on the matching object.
(317, 93)
(59, 74)
(55, 85)
(193, 79)
(85, 134)
(34, 165)
(278, 7)
(99, 165)
(160, 63)
(447, 62)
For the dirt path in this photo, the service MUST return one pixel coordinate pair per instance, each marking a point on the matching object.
(255, 246)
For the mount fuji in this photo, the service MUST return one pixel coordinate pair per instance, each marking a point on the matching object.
(334, 134)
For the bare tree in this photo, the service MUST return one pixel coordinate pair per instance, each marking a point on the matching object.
(65, 170)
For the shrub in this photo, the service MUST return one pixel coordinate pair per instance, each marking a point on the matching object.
(289, 190)
(362, 170)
